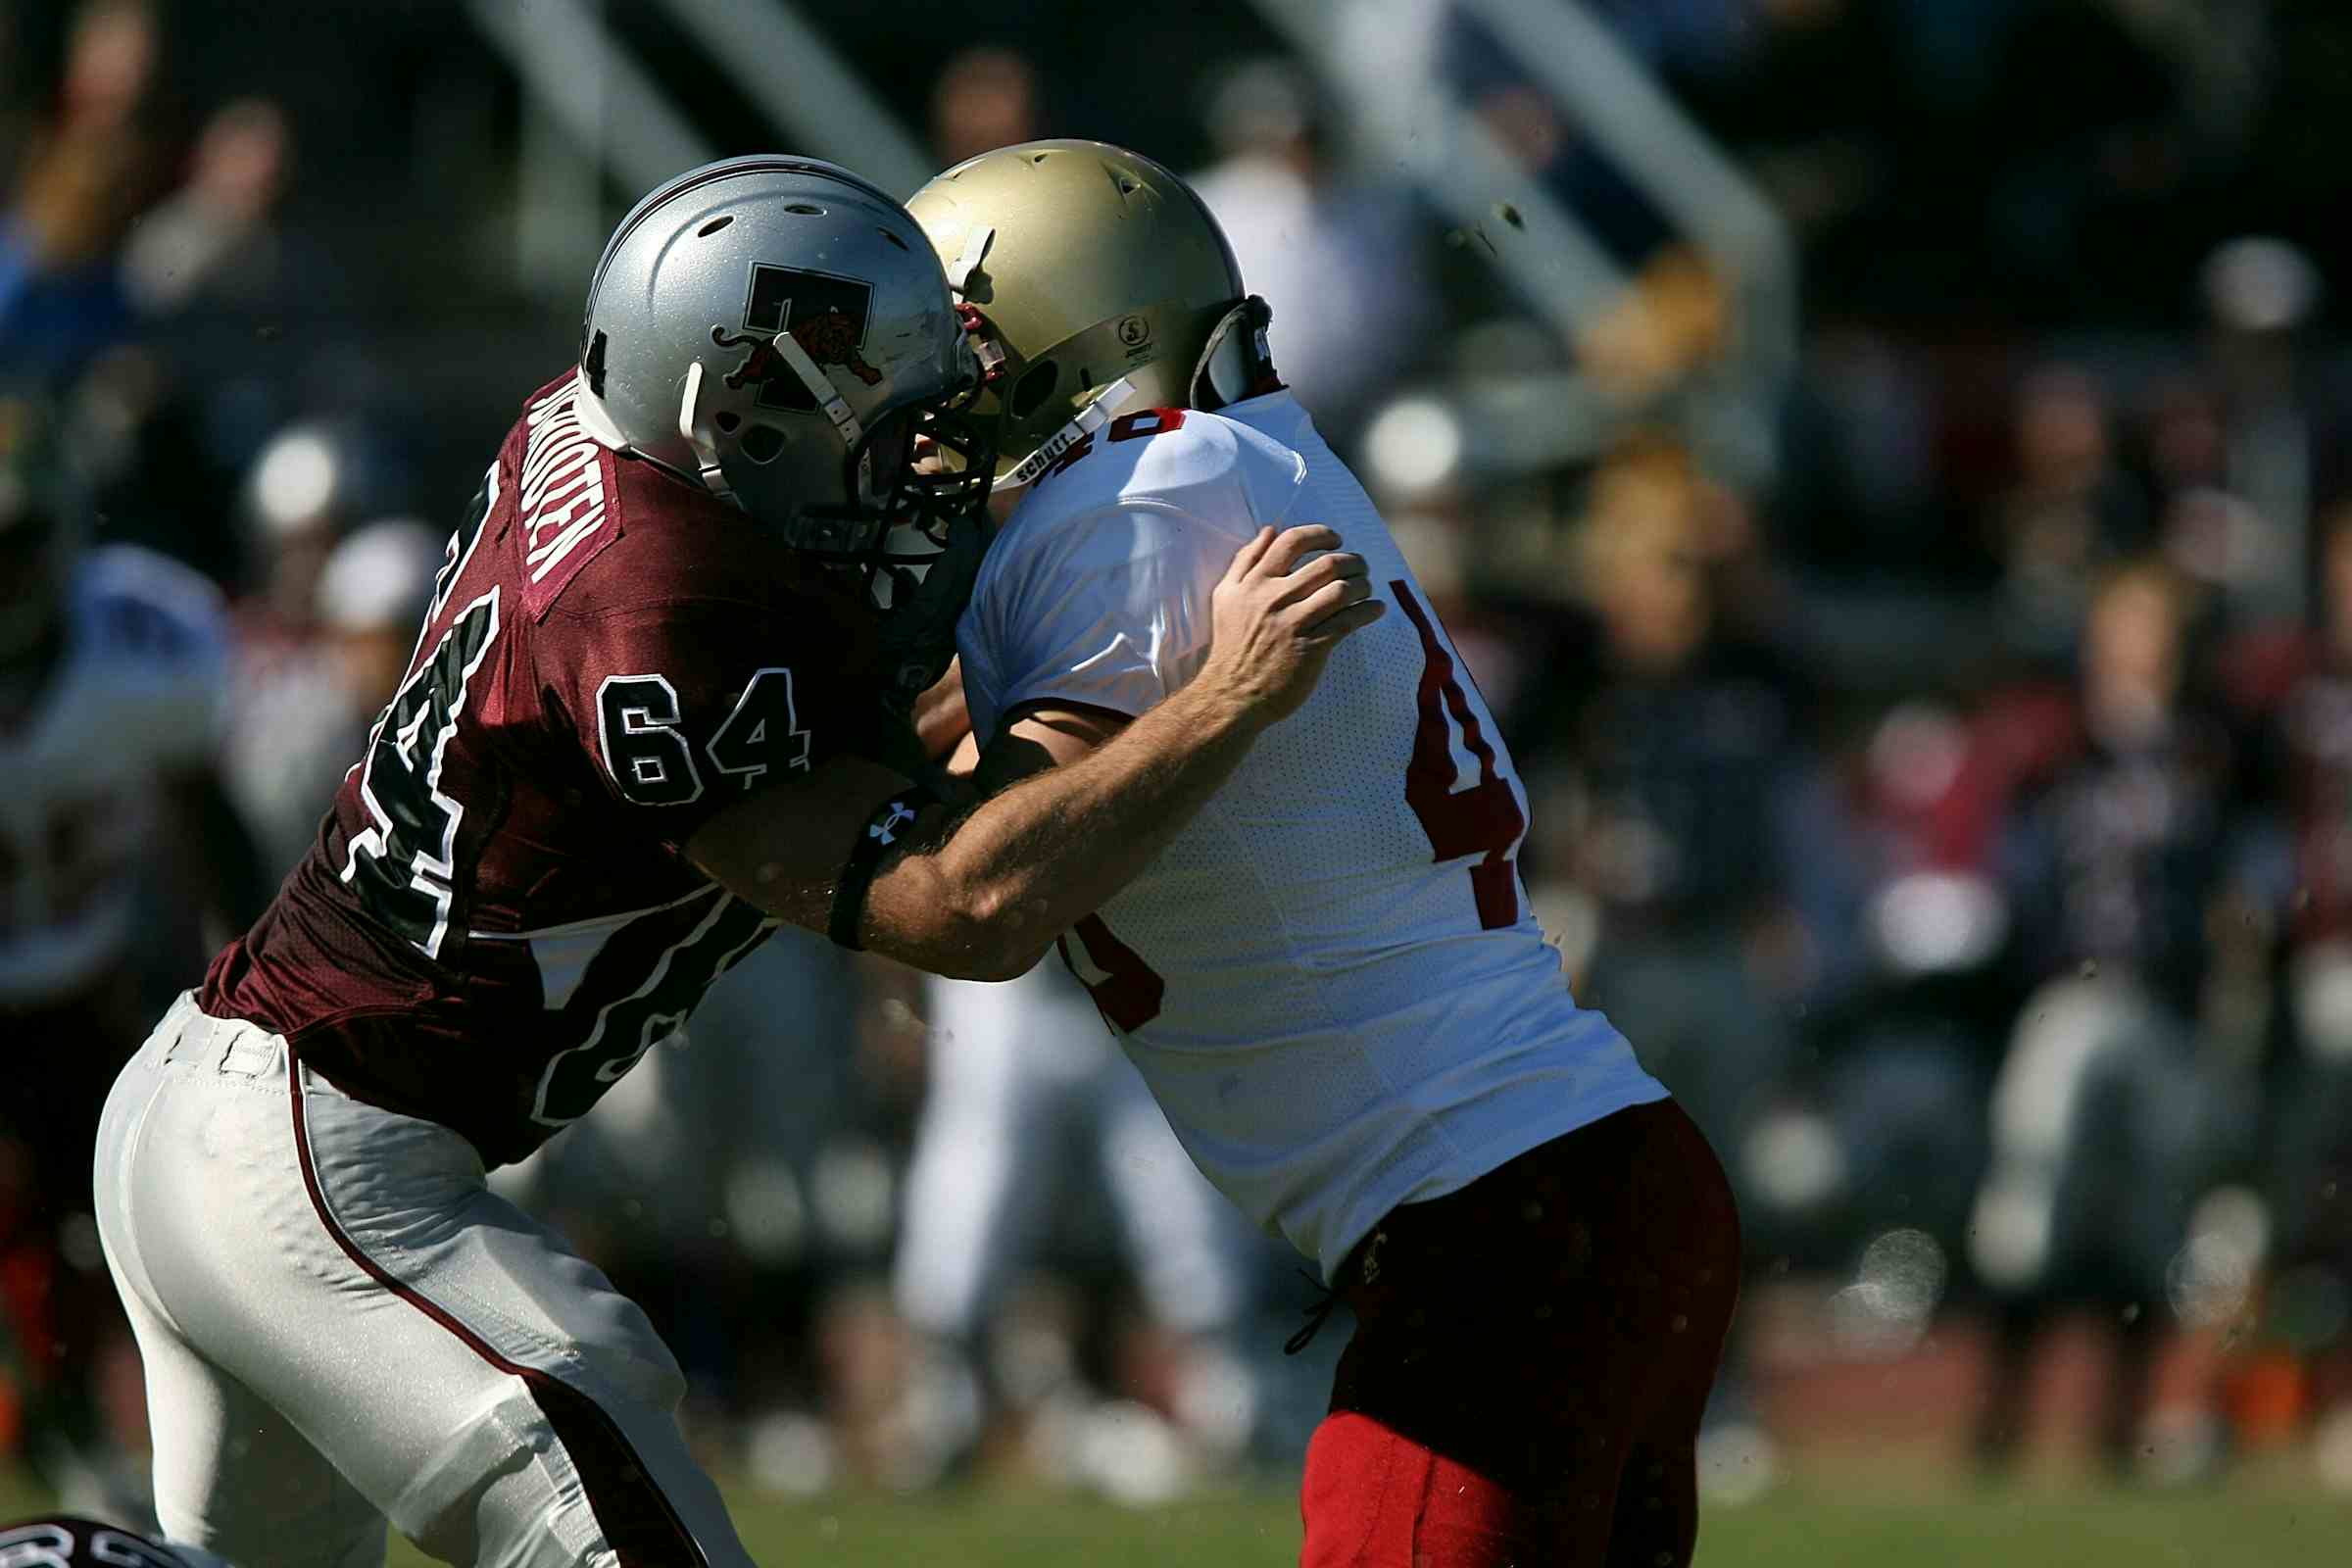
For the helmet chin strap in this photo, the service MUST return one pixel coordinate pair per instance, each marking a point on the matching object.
(821, 387)
(697, 436)
(1086, 423)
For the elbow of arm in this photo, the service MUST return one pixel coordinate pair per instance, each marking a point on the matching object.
(996, 937)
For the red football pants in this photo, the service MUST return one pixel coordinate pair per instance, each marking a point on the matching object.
(1531, 1357)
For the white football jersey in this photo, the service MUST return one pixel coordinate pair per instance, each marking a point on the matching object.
(1331, 978)
(138, 693)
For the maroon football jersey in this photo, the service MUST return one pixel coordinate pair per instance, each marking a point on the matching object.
(497, 920)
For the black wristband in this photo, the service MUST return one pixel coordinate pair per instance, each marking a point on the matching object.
(880, 832)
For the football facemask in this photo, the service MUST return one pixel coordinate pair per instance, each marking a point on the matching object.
(914, 537)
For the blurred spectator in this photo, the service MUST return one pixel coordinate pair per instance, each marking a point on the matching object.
(2112, 1114)
(290, 751)
(1908, 928)
(294, 697)
(303, 490)
(1340, 259)
(1662, 756)
(212, 238)
(2248, 530)
(2068, 517)
(87, 173)
(985, 98)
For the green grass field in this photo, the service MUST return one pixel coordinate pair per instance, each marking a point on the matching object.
(2248, 1525)
(1801, 1530)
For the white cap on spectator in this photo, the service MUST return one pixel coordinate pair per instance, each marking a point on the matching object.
(295, 481)
(382, 576)
(2260, 284)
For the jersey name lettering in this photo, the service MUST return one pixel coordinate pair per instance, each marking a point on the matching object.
(561, 499)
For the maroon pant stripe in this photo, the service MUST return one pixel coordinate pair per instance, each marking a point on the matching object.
(644, 1530)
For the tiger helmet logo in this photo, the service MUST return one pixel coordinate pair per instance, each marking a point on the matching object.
(826, 316)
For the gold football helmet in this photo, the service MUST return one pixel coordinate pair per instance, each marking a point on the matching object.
(1100, 279)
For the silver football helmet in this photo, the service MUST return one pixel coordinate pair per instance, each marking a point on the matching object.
(778, 331)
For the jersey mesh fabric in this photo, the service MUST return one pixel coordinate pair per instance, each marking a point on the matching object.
(1337, 1027)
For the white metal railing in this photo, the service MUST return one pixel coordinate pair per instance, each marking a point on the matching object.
(785, 67)
(1374, 56)
(572, 67)
(1562, 45)
(579, 83)
(1561, 272)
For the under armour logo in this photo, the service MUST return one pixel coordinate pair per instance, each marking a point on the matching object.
(887, 830)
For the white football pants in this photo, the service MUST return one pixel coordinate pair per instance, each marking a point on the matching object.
(341, 1326)
(1029, 1091)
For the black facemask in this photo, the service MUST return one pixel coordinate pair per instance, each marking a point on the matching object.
(929, 469)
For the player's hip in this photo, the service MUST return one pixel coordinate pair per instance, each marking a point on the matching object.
(224, 1163)
(1602, 1260)
(1639, 1182)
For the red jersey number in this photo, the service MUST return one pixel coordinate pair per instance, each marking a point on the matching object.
(1479, 817)
(1127, 990)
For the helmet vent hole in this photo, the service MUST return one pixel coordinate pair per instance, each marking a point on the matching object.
(1127, 187)
(1086, 379)
(805, 210)
(893, 238)
(1034, 388)
(713, 226)
(761, 443)
(726, 421)
(1037, 158)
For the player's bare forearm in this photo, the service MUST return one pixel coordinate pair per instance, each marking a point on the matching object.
(986, 899)
(979, 892)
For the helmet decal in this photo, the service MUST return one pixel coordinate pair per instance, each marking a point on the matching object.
(826, 316)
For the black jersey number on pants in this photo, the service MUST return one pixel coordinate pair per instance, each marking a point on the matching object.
(403, 865)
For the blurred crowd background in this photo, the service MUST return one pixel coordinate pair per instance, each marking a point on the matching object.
(1884, 460)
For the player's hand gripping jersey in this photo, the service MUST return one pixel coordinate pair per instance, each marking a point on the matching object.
(1331, 978)
(497, 920)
